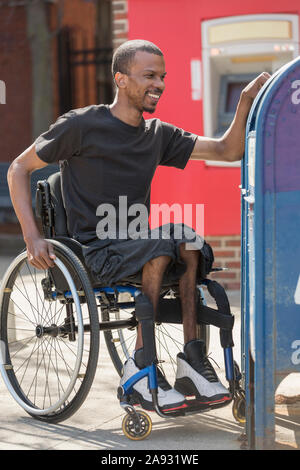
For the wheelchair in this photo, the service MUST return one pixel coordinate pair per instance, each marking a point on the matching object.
(49, 330)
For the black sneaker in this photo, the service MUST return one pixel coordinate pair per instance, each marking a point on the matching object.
(197, 377)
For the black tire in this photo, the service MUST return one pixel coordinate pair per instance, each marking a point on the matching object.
(168, 337)
(38, 314)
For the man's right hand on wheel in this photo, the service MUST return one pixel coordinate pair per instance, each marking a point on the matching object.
(40, 253)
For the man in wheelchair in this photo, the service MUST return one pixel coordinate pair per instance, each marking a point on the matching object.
(108, 151)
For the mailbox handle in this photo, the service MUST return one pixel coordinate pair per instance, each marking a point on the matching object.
(250, 199)
(243, 190)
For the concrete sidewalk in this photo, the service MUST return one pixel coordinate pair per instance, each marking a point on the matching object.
(97, 425)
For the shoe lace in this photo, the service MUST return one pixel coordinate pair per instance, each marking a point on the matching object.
(208, 356)
(210, 373)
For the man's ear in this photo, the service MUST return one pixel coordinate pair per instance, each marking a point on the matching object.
(121, 79)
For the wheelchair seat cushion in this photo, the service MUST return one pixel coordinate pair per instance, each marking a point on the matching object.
(124, 259)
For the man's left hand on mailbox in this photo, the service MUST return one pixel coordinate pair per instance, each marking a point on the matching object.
(252, 89)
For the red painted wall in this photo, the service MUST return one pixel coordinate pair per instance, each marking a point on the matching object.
(15, 71)
(175, 26)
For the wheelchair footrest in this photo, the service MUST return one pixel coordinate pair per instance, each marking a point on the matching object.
(192, 407)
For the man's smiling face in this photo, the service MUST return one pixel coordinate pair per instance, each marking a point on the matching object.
(145, 83)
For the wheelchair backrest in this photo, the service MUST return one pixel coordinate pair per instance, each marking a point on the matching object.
(50, 207)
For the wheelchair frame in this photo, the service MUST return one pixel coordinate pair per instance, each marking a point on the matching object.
(60, 286)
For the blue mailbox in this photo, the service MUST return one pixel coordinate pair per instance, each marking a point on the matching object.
(271, 249)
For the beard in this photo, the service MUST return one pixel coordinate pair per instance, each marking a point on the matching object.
(146, 109)
(139, 103)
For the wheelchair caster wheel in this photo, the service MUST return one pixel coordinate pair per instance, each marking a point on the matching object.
(137, 426)
(238, 409)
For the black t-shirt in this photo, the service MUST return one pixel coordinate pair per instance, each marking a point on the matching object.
(102, 158)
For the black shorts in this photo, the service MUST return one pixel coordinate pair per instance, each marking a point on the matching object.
(123, 260)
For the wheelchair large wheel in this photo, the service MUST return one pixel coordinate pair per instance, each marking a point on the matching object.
(49, 332)
(168, 338)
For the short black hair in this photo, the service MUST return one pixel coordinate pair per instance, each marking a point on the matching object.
(124, 54)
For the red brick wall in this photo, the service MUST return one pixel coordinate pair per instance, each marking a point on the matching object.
(15, 65)
(120, 22)
(15, 71)
(227, 252)
(80, 17)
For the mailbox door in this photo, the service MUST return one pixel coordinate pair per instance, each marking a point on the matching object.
(270, 247)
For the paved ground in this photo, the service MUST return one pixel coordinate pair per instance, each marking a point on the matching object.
(97, 425)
